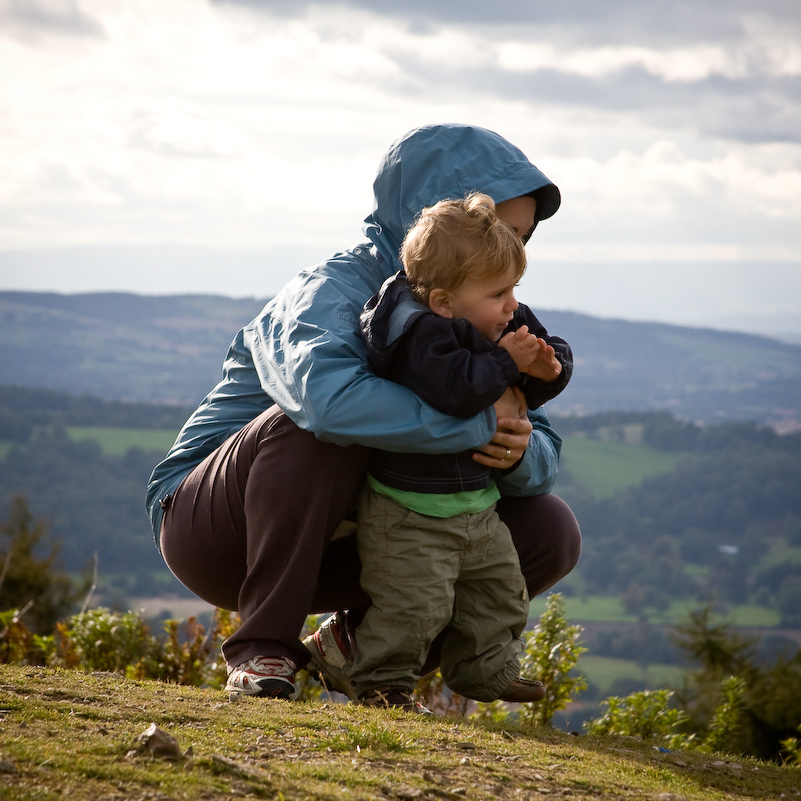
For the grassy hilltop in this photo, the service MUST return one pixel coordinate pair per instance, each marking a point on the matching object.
(70, 734)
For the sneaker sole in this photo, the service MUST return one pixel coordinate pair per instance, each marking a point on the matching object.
(269, 688)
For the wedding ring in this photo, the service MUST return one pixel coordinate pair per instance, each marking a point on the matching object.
(508, 454)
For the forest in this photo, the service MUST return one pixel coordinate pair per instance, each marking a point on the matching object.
(723, 525)
(719, 521)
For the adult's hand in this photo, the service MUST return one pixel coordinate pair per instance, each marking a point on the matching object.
(511, 435)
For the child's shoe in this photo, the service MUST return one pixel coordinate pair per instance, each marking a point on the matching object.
(331, 651)
(522, 691)
(393, 698)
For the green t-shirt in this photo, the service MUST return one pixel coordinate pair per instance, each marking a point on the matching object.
(446, 505)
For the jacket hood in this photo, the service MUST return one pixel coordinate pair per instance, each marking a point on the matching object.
(436, 162)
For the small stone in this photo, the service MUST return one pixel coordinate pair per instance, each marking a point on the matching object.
(158, 743)
(465, 761)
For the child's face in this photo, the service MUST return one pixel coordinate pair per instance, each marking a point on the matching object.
(487, 303)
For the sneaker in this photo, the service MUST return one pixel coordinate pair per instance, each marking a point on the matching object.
(272, 677)
(331, 651)
(393, 698)
(523, 690)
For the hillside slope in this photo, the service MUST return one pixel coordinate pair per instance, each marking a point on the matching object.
(170, 349)
(78, 735)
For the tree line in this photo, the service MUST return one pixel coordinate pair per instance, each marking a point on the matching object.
(703, 531)
(23, 410)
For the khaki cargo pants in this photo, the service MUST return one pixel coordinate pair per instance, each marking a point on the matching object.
(425, 574)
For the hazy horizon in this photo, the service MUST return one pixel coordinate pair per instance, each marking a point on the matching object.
(218, 146)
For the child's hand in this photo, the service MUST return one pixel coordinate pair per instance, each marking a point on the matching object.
(545, 365)
(522, 346)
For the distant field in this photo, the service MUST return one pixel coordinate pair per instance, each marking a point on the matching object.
(608, 609)
(781, 553)
(116, 441)
(604, 671)
(603, 468)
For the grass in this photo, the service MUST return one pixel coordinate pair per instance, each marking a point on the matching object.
(603, 468)
(69, 734)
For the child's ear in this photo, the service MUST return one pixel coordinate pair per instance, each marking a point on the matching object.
(439, 302)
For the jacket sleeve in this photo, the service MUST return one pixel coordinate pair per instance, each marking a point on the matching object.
(310, 359)
(536, 472)
(305, 352)
(450, 365)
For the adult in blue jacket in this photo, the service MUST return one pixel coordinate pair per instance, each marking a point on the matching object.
(246, 504)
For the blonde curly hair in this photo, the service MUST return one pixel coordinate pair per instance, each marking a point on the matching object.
(458, 239)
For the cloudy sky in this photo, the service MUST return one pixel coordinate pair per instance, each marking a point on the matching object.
(195, 146)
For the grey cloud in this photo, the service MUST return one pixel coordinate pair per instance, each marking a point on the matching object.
(748, 110)
(29, 20)
(668, 23)
(757, 107)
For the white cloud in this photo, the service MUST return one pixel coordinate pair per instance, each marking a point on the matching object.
(174, 131)
(214, 124)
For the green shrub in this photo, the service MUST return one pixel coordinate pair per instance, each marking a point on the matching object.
(646, 714)
(18, 645)
(791, 748)
(727, 721)
(102, 640)
(552, 649)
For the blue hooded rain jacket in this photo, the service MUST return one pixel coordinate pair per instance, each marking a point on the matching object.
(304, 350)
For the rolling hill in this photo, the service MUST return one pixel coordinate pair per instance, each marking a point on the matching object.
(170, 349)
